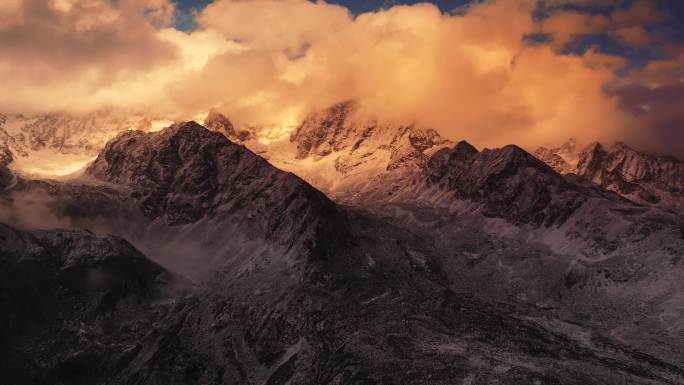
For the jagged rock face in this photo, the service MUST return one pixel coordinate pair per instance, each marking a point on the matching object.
(635, 175)
(73, 303)
(6, 156)
(215, 121)
(186, 173)
(627, 171)
(59, 144)
(338, 130)
(350, 157)
(63, 132)
(562, 159)
(509, 182)
(321, 133)
(5, 177)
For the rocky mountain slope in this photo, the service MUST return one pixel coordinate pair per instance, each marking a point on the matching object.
(74, 305)
(186, 175)
(469, 267)
(174, 192)
(102, 313)
(638, 176)
(509, 182)
(554, 242)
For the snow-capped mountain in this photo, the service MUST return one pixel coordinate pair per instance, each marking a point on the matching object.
(638, 176)
(562, 159)
(343, 152)
(59, 144)
(512, 185)
(338, 130)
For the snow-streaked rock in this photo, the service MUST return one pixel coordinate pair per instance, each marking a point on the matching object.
(59, 144)
(509, 182)
(340, 151)
(643, 178)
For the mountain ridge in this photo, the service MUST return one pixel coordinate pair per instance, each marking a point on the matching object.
(442, 274)
(644, 178)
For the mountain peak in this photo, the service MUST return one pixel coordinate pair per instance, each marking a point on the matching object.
(216, 121)
(636, 175)
(338, 129)
(322, 132)
(185, 128)
(594, 147)
(569, 145)
(186, 173)
(464, 148)
(509, 182)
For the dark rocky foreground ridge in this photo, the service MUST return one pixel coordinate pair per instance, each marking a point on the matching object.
(186, 173)
(331, 295)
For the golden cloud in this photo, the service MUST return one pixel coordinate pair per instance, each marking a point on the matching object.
(472, 75)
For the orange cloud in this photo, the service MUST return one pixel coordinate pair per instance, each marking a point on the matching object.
(640, 12)
(269, 62)
(635, 36)
(59, 54)
(626, 24)
(654, 95)
(566, 25)
(468, 76)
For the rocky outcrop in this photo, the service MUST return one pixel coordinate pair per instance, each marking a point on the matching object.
(6, 177)
(63, 132)
(509, 182)
(562, 159)
(340, 131)
(641, 177)
(187, 173)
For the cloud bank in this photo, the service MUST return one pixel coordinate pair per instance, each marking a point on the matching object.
(477, 75)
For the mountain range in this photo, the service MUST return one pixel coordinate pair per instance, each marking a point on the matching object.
(353, 252)
(641, 177)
